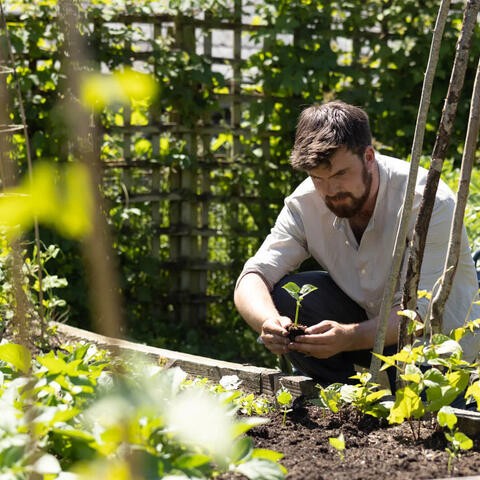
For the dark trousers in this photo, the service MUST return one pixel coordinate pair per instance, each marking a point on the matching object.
(328, 302)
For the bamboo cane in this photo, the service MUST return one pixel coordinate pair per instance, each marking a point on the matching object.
(399, 247)
(441, 296)
(417, 244)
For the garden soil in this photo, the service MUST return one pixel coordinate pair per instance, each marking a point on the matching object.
(374, 449)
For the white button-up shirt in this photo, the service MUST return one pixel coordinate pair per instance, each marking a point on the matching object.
(306, 227)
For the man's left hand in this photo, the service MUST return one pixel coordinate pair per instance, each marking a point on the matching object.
(324, 339)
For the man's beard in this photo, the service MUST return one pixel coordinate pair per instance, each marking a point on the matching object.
(350, 209)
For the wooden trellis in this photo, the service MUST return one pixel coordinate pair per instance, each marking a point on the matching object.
(187, 191)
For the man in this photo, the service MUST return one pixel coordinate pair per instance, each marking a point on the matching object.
(345, 215)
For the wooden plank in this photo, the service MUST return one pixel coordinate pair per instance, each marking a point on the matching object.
(255, 379)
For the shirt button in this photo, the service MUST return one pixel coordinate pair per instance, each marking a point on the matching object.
(363, 271)
(371, 304)
(347, 242)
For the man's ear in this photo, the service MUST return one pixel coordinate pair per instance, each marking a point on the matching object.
(369, 156)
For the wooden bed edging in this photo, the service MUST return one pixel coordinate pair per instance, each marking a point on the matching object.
(256, 379)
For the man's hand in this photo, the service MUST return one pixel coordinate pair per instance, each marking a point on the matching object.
(324, 339)
(274, 334)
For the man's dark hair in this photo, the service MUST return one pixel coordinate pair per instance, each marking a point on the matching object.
(323, 129)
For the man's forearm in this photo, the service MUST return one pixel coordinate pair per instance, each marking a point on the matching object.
(253, 301)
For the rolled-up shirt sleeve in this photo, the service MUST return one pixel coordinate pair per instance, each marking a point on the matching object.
(282, 251)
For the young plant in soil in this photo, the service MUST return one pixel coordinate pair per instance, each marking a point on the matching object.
(446, 418)
(284, 399)
(298, 293)
(338, 443)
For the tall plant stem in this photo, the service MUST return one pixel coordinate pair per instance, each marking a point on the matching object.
(441, 296)
(402, 231)
(417, 245)
(97, 246)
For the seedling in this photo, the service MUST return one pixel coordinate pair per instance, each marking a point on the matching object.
(458, 440)
(284, 399)
(338, 443)
(298, 294)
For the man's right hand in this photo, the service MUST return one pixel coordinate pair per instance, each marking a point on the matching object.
(274, 334)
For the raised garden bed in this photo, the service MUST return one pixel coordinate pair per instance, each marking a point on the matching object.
(373, 449)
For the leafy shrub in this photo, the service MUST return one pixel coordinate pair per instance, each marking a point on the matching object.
(81, 411)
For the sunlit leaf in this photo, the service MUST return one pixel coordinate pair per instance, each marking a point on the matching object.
(284, 397)
(338, 443)
(246, 424)
(408, 405)
(57, 197)
(260, 469)
(446, 417)
(267, 454)
(16, 355)
(292, 288)
(474, 391)
(463, 441)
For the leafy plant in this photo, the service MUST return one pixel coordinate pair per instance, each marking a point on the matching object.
(365, 396)
(284, 399)
(298, 294)
(433, 374)
(81, 411)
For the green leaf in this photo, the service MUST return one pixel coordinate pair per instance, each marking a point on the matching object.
(242, 449)
(412, 374)
(190, 461)
(53, 364)
(293, 289)
(284, 397)
(247, 424)
(338, 442)
(448, 347)
(16, 355)
(267, 454)
(462, 441)
(330, 397)
(433, 378)
(446, 417)
(408, 405)
(306, 289)
(458, 380)
(474, 391)
(259, 469)
(437, 397)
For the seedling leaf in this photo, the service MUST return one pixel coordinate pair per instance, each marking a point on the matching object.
(446, 417)
(284, 397)
(306, 289)
(293, 289)
(338, 443)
